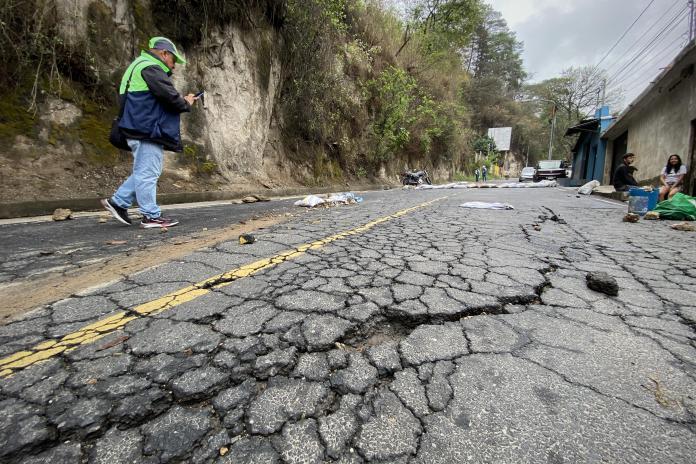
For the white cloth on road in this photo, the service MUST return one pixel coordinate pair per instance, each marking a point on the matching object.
(484, 205)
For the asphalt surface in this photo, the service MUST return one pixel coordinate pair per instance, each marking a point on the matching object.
(426, 333)
(35, 248)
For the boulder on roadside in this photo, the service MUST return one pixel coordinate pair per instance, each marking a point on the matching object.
(602, 282)
(62, 214)
(249, 199)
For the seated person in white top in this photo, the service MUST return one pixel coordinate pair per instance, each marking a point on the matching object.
(672, 177)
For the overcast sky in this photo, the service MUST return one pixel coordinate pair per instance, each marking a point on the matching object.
(558, 34)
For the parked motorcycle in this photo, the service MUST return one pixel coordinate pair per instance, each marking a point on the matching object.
(415, 178)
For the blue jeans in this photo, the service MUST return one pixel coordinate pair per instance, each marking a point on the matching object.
(141, 185)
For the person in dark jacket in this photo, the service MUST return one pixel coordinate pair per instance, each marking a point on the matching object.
(623, 176)
(151, 124)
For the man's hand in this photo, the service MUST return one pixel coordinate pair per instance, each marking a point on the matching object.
(190, 98)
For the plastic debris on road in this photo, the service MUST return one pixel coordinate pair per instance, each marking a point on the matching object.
(451, 185)
(310, 201)
(484, 205)
(680, 207)
(587, 188)
(468, 185)
(540, 184)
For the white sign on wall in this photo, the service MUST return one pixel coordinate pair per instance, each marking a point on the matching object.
(501, 136)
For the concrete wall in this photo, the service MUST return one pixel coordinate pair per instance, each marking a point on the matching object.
(660, 123)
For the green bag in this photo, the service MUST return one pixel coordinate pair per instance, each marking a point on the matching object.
(680, 208)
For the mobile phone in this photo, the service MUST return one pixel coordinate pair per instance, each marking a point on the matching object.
(199, 94)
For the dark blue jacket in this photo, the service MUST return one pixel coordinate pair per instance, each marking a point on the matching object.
(151, 104)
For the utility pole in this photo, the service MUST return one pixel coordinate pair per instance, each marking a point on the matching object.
(553, 129)
(691, 20)
(526, 158)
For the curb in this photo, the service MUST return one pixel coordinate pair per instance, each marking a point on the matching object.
(46, 207)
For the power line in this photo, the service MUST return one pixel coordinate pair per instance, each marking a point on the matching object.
(644, 34)
(625, 32)
(656, 58)
(647, 58)
(647, 52)
(673, 23)
(653, 75)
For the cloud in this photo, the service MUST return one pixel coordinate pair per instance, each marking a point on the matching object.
(558, 35)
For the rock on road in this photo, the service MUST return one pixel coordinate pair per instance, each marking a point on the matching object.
(434, 335)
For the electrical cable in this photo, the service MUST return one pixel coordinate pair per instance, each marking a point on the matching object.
(656, 72)
(654, 41)
(673, 23)
(625, 32)
(649, 58)
(643, 35)
(648, 66)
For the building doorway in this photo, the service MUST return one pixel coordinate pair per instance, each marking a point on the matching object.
(690, 181)
(620, 148)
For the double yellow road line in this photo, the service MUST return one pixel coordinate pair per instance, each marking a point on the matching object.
(89, 333)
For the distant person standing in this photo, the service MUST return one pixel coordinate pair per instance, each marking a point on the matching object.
(484, 173)
(623, 176)
(477, 173)
(672, 177)
(151, 124)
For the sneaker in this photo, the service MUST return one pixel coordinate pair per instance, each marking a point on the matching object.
(149, 223)
(120, 214)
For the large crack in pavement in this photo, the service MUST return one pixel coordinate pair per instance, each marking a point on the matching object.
(385, 346)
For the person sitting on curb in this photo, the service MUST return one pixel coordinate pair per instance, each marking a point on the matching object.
(151, 123)
(672, 177)
(623, 176)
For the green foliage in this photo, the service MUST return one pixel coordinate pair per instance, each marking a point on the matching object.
(194, 156)
(393, 94)
(484, 144)
(315, 102)
(14, 118)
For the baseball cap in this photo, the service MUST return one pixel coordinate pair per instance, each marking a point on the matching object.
(163, 43)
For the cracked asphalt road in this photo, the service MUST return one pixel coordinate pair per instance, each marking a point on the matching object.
(441, 335)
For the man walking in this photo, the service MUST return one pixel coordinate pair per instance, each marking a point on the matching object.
(477, 173)
(484, 173)
(151, 124)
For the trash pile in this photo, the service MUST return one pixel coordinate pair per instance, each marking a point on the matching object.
(680, 207)
(333, 199)
(468, 185)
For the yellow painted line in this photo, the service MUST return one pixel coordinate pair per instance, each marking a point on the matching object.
(92, 332)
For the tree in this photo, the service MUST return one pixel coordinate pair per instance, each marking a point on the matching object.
(577, 93)
(493, 58)
(445, 24)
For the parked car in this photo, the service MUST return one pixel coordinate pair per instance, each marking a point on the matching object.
(550, 169)
(527, 174)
